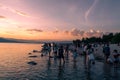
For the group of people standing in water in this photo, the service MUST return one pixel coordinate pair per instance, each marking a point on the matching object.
(53, 49)
(62, 52)
(111, 57)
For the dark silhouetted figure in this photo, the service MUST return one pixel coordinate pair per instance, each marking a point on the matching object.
(106, 51)
(60, 53)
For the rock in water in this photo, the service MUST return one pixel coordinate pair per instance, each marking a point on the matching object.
(32, 63)
(41, 55)
(35, 51)
(29, 53)
(33, 56)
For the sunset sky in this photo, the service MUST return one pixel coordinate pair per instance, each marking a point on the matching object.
(58, 19)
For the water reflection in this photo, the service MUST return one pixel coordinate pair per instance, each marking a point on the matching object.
(13, 66)
(88, 74)
(48, 64)
(75, 65)
(116, 74)
(61, 70)
(107, 71)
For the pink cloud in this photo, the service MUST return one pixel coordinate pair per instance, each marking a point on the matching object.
(80, 33)
(21, 13)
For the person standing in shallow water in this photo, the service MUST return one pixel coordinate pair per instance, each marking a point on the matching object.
(106, 51)
(60, 53)
(67, 50)
(55, 49)
(115, 55)
(74, 55)
(49, 49)
(85, 53)
(90, 57)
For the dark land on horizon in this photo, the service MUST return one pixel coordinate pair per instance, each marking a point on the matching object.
(12, 40)
(112, 38)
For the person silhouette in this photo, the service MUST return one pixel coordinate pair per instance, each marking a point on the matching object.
(61, 53)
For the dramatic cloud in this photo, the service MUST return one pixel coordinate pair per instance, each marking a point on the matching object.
(34, 30)
(77, 32)
(90, 33)
(93, 33)
(2, 17)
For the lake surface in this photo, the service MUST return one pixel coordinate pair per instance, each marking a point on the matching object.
(14, 65)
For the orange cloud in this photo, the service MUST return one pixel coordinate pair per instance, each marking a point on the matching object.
(34, 30)
(2, 17)
(66, 32)
(56, 31)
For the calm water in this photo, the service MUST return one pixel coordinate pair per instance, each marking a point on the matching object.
(14, 58)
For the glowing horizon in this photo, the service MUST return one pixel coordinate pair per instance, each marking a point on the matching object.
(58, 19)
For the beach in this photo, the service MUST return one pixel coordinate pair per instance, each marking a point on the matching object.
(14, 65)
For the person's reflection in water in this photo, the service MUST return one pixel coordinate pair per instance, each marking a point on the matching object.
(61, 71)
(107, 71)
(88, 74)
(74, 65)
(75, 71)
(55, 62)
(48, 67)
(116, 74)
(49, 64)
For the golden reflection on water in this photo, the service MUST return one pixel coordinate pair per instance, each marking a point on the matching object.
(14, 65)
(15, 55)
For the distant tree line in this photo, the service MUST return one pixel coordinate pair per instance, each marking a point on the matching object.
(106, 38)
